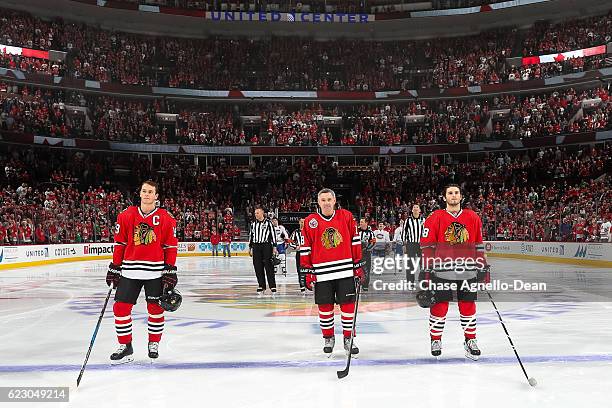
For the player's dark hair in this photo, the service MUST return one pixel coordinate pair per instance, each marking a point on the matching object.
(446, 187)
(152, 184)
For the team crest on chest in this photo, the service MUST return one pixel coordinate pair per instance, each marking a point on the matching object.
(313, 223)
(144, 234)
(456, 233)
(331, 238)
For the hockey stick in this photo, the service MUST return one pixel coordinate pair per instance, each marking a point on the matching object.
(345, 372)
(532, 381)
(95, 333)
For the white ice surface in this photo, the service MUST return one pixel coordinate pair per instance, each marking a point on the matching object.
(225, 347)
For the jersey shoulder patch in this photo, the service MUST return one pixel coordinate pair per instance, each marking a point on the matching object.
(313, 223)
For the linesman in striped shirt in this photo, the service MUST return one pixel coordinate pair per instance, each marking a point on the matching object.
(262, 242)
(413, 229)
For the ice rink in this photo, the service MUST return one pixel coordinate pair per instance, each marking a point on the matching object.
(227, 347)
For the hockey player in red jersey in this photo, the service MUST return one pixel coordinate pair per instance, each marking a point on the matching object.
(331, 259)
(144, 255)
(453, 261)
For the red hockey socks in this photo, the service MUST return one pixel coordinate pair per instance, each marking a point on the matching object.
(155, 322)
(123, 322)
(467, 312)
(348, 313)
(326, 319)
(437, 319)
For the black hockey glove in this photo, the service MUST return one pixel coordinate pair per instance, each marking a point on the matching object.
(113, 275)
(169, 278)
(484, 274)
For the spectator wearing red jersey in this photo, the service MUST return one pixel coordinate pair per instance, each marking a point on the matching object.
(40, 235)
(215, 239)
(13, 233)
(105, 233)
(226, 241)
(236, 231)
(3, 235)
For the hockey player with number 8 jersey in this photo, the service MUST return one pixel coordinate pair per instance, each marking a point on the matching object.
(453, 261)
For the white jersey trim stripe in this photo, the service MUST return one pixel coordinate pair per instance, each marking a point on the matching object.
(334, 276)
(127, 261)
(341, 261)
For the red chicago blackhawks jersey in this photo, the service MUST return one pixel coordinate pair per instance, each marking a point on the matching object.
(332, 248)
(452, 244)
(144, 243)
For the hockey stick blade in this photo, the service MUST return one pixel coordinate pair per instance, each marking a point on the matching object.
(343, 373)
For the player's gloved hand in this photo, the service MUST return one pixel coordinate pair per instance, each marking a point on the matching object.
(113, 275)
(484, 274)
(359, 274)
(169, 278)
(358, 271)
(311, 278)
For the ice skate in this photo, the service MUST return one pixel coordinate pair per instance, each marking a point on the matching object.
(124, 354)
(330, 342)
(471, 349)
(153, 350)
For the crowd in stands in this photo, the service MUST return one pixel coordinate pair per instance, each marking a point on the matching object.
(54, 195)
(289, 63)
(53, 113)
(544, 38)
(553, 194)
(58, 196)
(61, 196)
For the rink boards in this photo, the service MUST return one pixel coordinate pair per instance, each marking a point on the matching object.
(576, 253)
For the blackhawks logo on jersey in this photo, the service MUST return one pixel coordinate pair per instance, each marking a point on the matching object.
(144, 234)
(331, 238)
(456, 233)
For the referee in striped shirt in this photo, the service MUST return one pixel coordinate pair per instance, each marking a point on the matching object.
(262, 241)
(413, 228)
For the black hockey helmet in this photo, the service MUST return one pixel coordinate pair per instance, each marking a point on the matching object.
(426, 298)
(171, 300)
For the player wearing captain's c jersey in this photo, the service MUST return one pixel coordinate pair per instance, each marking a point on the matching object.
(144, 256)
(331, 258)
(453, 257)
